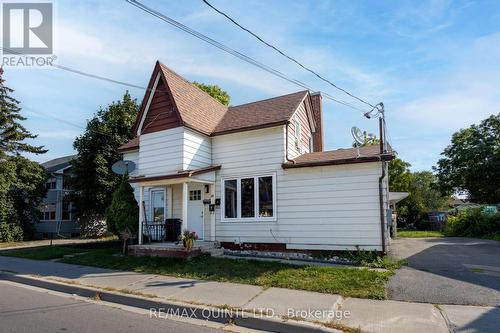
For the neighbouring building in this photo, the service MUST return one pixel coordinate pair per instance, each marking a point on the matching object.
(253, 175)
(56, 210)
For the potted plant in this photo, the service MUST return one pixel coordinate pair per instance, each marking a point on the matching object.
(188, 238)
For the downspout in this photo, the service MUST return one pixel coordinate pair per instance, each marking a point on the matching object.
(286, 143)
(381, 204)
(380, 188)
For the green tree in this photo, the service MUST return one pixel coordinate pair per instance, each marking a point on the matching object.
(369, 140)
(27, 193)
(424, 196)
(399, 175)
(471, 163)
(215, 91)
(21, 180)
(93, 181)
(12, 133)
(122, 215)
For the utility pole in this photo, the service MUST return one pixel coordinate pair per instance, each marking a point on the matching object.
(379, 111)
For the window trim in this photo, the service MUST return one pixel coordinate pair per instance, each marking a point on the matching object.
(256, 218)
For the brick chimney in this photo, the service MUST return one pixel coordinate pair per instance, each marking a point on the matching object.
(317, 110)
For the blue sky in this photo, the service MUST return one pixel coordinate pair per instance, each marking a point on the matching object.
(435, 64)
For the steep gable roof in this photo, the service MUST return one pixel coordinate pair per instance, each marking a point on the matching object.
(203, 113)
(195, 108)
(198, 110)
(264, 113)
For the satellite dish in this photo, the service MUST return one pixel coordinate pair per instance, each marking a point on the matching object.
(358, 135)
(122, 167)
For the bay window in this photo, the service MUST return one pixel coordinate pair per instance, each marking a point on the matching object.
(249, 198)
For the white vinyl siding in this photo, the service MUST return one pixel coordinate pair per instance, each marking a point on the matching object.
(252, 153)
(197, 150)
(299, 132)
(329, 207)
(169, 151)
(161, 152)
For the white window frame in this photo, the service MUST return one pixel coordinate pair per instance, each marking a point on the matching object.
(238, 217)
(165, 206)
(298, 134)
(311, 143)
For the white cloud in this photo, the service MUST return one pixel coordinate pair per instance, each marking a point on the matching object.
(465, 93)
(451, 110)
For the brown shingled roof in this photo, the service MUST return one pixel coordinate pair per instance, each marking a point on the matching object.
(201, 112)
(264, 113)
(198, 110)
(340, 156)
(131, 145)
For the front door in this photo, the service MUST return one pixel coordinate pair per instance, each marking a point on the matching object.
(195, 209)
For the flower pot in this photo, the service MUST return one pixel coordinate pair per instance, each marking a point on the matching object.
(188, 244)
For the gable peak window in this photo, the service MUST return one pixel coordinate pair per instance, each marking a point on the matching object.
(298, 134)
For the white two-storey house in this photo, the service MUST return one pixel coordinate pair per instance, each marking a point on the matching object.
(253, 175)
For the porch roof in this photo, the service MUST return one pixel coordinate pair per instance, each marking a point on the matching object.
(175, 176)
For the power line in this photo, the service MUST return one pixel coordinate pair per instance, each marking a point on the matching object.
(94, 76)
(127, 84)
(83, 73)
(43, 114)
(231, 51)
(286, 55)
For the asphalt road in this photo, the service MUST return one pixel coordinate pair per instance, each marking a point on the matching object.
(27, 310)
(452, 270)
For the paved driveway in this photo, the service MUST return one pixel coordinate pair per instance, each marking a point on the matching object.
(451, 270)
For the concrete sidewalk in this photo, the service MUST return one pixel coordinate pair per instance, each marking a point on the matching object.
(332, 311)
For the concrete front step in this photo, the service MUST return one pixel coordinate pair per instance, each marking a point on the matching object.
(216, 252)
(175, 249)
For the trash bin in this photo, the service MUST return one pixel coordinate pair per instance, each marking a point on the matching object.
(172, 229)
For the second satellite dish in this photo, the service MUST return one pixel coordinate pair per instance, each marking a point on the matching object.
(358, 135)
(122, 167)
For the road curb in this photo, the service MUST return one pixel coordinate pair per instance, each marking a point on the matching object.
(211, 314)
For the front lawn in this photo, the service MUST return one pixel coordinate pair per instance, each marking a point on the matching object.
(348, 282)
(42, 252)
(419, 233)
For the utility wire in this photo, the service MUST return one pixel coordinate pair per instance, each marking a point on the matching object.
(127, 84)
(231, 51)
(286, 55)
(94, 76)
(49, 116)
